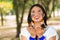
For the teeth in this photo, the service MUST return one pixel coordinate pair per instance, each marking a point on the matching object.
(36, 17)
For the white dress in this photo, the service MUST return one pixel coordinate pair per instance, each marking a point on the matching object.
(50, 31)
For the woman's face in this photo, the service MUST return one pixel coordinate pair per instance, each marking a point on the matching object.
(36, 14)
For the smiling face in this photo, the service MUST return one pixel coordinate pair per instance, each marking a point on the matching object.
(36, 14)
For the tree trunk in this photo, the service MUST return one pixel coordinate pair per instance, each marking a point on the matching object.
(15, 5)
(54, 4)
(20, 23)
(1, 18)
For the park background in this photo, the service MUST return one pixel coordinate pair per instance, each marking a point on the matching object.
(13, 16)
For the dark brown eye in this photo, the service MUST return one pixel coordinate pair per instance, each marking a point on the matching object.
(33, 11)
(38, 10)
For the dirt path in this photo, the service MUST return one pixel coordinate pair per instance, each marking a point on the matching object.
(7, 34)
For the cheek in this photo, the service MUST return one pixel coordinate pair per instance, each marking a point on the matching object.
(32, 15)
(40, 17)
(32, 18)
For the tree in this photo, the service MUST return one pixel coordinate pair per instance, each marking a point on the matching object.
(5, 7)
(33, 1)
(1, 8)
(54, 3)
(1, 12)
(48, 4)
(17, 5)
(1, 16)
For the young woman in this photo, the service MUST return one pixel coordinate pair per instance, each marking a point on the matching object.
(37, 27)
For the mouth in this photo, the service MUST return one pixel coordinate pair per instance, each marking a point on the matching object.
(36, 17)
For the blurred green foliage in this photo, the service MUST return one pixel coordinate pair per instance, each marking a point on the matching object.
(9, 4)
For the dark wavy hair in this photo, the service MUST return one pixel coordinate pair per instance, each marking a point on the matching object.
(29, 15)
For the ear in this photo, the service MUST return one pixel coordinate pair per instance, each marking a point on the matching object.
(43, 15)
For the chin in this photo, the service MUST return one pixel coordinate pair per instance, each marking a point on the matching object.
(37, 20)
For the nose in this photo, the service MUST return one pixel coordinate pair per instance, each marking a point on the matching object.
(36, 14)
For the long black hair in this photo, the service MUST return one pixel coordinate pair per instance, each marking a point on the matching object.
(29, 15)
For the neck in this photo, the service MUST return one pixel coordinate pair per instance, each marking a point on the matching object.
(36, 23)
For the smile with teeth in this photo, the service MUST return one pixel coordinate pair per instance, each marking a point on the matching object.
(36, 17)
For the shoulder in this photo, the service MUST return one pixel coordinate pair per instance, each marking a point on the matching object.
(50, 32)
(24, 29)
(24, 32)
(50, 29)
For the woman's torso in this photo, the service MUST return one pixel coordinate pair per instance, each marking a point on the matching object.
(48, 33)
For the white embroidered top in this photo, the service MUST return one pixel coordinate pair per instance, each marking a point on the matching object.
(50, 31)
